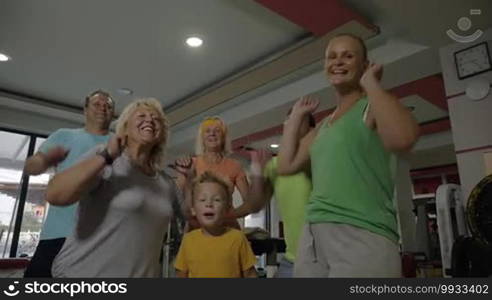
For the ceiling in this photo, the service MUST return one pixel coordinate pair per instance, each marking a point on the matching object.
(62, 50)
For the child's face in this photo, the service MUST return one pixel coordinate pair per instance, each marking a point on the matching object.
(210, 204)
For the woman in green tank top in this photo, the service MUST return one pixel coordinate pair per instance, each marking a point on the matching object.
(352, 227)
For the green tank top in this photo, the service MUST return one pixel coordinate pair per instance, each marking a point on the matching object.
(352, 177)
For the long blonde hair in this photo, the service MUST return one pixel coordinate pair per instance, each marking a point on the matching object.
(157, 153)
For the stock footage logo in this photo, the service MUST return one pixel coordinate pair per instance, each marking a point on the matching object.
(11, 290)
(464, 24)
(65, 288)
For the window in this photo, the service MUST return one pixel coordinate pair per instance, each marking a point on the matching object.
(35, 211)
(21, 193)
(11, 165)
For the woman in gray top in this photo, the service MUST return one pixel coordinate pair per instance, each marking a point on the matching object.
(125, 203)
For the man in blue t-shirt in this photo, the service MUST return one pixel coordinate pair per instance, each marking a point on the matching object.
(61, 150)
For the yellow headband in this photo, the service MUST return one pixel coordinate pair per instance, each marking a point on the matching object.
(210, 122)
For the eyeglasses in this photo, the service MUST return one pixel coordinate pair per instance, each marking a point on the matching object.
(108, 100)
(100, 93)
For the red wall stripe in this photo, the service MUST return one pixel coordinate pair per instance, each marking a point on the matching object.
(429, 88)
(446, 169)
(474, 149)
(316, 16)
(435, 127)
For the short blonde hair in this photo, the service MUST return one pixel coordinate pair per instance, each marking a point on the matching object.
(357, 38)
(226, 145)
(209, 177)
(157, 154)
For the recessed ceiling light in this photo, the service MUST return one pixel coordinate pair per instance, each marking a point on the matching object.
(274, 145)
(194, 41)
(4, 57)
(124, 91)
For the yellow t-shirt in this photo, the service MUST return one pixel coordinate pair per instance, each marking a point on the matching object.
(225, 256)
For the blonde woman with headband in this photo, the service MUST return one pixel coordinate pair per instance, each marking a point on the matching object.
(212, 148)
(125, 202)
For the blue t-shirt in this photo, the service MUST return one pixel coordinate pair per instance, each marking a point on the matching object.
(60, 221)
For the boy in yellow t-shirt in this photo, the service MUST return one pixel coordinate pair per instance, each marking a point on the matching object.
(213, 250)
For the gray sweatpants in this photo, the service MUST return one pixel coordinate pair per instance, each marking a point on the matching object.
(341, 250)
